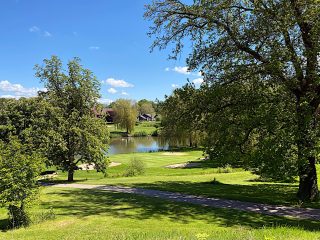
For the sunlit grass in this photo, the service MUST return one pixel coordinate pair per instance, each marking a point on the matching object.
(88, 214)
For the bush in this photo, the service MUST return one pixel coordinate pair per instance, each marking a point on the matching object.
(226, 169)
(140, 134)
(136, 167)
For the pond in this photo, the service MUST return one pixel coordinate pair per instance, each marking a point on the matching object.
(136, 144)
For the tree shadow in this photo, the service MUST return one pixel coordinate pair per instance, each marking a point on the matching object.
(122, 205)
(272, 193)
(4, 225)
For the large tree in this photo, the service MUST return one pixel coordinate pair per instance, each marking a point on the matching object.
(278, 41)
(78, 136)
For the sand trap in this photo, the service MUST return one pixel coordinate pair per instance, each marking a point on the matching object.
(174, 154)
(92, 166)
(184, 165)
(114, 164)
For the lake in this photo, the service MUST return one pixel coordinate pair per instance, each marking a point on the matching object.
(136, 144)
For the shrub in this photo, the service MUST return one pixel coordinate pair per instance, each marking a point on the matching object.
(135, 167)
(140, 134)
(226, 169)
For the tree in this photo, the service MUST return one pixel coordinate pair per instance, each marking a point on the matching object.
(19, 169)
(180, 124)
(25, 127)
(275, 40)
(125, 114)
(78, 136)
(146, 107)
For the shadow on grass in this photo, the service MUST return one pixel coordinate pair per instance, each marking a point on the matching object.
(4, 225)
(120, 205)
(48, 182)
(272, 193)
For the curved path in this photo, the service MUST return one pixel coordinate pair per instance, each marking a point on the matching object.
(283, 211)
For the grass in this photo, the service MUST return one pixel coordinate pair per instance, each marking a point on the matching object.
(92, 214)
(88, 214)
(141, 129)
(237, 185)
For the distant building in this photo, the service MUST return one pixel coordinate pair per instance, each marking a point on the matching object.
(106, 113)
(145, 117)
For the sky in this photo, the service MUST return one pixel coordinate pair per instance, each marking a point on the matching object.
(110, 37)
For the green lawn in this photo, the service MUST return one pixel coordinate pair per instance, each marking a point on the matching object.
(92, 214)
(141, 127)
(238, 184)
(87, 214)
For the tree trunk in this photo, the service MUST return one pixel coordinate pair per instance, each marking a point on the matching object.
(306, 142)
(308, 185)
(70, 173)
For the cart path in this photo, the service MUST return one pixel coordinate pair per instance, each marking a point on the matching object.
(283, 211)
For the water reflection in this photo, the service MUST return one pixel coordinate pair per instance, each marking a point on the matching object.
(136, 144)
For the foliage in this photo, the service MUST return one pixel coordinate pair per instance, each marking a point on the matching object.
(19, 169)
(78, 136)
(179, 123)
(140, 134)
(146, 107)
(125, 114)
(135, 167)
(276, 42)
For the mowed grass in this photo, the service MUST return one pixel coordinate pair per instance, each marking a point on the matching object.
(145, 127)
(237, 184)
(89, 214)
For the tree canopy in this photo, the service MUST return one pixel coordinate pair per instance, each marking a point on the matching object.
(276, 42)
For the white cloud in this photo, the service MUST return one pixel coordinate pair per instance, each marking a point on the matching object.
(124, 93)
(9, 96)
(197, 81)
(105, 100)
(94, 48)
(118, 83)
(34, 29)
(174, 85)
(17, 90)
(47, 34)
(112, 90)
(182, 70)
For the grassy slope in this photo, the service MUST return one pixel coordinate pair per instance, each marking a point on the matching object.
(85, 214)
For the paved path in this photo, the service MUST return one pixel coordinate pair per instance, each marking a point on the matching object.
(283, 211)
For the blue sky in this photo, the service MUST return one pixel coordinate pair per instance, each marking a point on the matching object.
(110, 36)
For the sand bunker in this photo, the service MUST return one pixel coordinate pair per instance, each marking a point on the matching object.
(174, 154)
(184, 165)
(92, 166)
